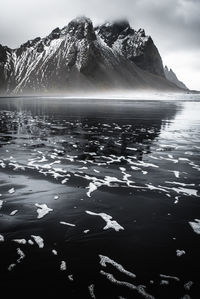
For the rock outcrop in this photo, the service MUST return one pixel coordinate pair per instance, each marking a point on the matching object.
(133, 45)
(171, 76)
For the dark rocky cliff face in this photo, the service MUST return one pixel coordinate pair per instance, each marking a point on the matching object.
(5, 67)
(110, 32)
(81, 57)
(171, 76)
(134, 45)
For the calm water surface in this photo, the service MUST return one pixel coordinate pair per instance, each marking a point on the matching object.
(99, 199)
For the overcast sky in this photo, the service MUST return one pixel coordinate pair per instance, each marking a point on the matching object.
(173, 24)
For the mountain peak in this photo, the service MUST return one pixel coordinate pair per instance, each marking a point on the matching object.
(120, 24)
(110, 31)
(81, 19)
(171, 76)
(80, 28)
(141, 32)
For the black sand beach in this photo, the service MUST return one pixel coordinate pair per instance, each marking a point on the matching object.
(99, 198)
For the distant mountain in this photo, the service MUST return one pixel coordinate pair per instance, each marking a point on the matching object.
(81, 57)
(171, 76)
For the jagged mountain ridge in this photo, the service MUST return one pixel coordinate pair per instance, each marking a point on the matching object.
(133, 45)
(79, 56)
(172, 77)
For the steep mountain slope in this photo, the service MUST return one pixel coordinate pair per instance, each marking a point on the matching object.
(6, 66)
(171, 76)
(80, 57)
(134, 45)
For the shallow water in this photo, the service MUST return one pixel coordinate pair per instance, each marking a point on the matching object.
(100, 199)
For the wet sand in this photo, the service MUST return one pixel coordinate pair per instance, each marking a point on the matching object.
(99, 199)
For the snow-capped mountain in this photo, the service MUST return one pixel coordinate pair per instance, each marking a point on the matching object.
(171, 76)
(79, 56)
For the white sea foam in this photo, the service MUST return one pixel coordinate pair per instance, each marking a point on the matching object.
(143, 164)
(71, 278)
(63, 266)
(195, 226)
(169, 277)
(13, 212)
(140, 289)
(11, 266)
(131, 148)
(64, 181)
(66, 223)
(180, 252)
(185, 191)
(20, 241)
(2, 238)
(91, 291)
(126, 177)
(183, 159)
(135, 168)
(38, 240)
(176, 173)
(1, 204)
(176, 200)
(43, 210)
(11, 191)
(54, 252)
(106, 260)
(92, 187)
(97, 171)
(178, 183)
(108, 179)
(151, 187)
(21, 255)
(195, 166)
(109, 223)
(188, 285)
(189, 191)
(153, 157)
(30, 242)
(169, 159)
(43, 159)
(144, 172)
